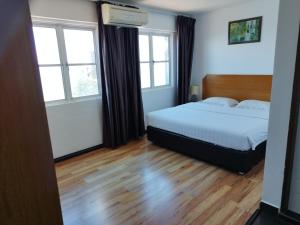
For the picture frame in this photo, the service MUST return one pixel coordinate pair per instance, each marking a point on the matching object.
(245, 31)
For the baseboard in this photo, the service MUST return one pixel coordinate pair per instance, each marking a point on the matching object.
(74, 154)
(290, 217)
(271, 209)
(264, 207)
(253, 217)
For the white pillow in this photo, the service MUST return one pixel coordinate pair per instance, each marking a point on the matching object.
(221, 101)
(254, 104)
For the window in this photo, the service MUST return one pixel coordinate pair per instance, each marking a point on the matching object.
(67, 62)
(49, 62)
(154, 60)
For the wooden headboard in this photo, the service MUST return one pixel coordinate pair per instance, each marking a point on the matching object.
(239, 87)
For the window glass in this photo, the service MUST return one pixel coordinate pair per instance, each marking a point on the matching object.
(75, 67)
(144, 48)
(46, 45)
(79, 46)
(145, 75)
(161, 74)
(83, 80)
(52, 83)
(155, 60)
(160, 48)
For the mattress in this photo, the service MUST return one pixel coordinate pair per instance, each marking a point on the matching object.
(230, 127)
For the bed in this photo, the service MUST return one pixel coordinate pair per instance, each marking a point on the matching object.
(230, 137)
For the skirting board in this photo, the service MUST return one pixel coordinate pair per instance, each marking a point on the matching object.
(74, 154)
(253, 217)
(266, 207)
(271, 211)
(263, 208)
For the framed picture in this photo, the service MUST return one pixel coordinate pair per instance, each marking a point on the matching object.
(245, 31)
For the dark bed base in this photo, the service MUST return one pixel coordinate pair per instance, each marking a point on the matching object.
(234, 160)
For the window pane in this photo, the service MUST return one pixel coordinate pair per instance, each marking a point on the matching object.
(52, 83)
(161, 74)
(46, 45)
(144, 48)
(160, 48)
(83, 80)
(145, 75)
(79, 46)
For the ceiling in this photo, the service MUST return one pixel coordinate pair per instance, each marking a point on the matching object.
(188, 6)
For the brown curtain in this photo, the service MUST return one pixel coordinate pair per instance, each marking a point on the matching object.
(185, 28)
(123, 115)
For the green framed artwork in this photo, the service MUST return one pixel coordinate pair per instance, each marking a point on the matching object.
(245, 31)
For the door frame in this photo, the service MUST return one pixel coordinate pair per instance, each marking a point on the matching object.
(290, 151)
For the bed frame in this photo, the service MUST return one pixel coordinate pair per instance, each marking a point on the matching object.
(240, 87)
(237, 161)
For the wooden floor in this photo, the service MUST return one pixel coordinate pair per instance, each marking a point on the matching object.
(141, 183)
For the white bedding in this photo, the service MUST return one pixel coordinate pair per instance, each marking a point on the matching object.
(231, 127)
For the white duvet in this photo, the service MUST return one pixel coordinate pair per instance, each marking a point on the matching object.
(231, 127)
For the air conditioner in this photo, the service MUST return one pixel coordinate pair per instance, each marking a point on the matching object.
(123, 16)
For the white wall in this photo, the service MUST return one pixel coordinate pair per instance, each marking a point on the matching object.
(286, 47)
(81, 10)
(78, 125)
(212, 53)
(75, 126)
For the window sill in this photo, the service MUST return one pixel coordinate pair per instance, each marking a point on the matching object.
(146, 90)
(73, 101)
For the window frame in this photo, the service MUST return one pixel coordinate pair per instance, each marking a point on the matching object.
(59, 26)
(150, 34)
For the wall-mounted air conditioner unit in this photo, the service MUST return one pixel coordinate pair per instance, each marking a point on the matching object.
(123, 16)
